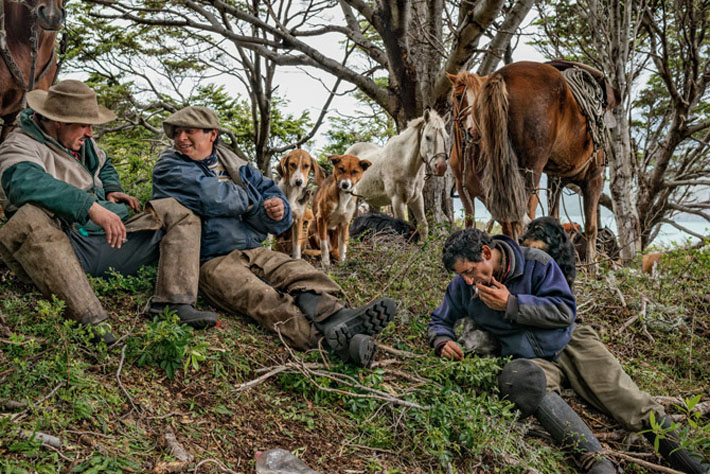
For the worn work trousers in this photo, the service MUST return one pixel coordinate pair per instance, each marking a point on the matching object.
(36, 248)
(261, 283)
(597, 376)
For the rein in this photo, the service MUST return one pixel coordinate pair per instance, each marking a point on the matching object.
(12, 66)
(429, 172)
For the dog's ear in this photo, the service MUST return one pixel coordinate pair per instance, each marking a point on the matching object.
(281, 167)
(335, 159)
(318, 172)
(364, 164)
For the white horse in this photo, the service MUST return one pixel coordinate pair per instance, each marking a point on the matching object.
(399, 169)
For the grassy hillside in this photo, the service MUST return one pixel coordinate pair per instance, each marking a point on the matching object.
(229, 392)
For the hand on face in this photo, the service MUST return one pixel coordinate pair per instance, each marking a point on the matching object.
(452, 350)
(494, 296)
(274, 208)
(123, 197)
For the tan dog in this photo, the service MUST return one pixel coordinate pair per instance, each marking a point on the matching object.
(334, 205)
(295, 169)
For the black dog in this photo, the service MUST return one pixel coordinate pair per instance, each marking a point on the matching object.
(546, 233)
(375, 223)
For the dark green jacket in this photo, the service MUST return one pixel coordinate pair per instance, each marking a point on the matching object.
(34, 168)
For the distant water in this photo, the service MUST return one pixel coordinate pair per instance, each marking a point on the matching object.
(667, 236)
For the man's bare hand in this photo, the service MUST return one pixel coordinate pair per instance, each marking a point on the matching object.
(111, 224)
(123, 197)
(452, 350)
(494, 296)
(274, 208)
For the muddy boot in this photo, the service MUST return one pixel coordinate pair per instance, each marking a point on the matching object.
(187, 314)
(340, 327)
(34, 242)
(679, 459)
(568, 429)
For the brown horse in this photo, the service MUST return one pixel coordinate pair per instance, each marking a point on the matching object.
(530, 123)
(28, 32)
(463, 158)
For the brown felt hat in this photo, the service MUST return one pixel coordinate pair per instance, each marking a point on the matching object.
(192, 117)
(69, 101)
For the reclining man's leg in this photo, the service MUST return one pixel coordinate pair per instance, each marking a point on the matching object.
(33, 245)
(596, 375)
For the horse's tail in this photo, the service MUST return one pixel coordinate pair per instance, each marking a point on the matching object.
(502, 182)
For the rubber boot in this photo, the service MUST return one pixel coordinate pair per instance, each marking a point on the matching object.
(361, 351)
(187, 314)
(679, 459)
(34, 244)
(341, 326)
(568, 429)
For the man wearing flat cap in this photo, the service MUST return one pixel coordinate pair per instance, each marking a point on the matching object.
(239, 206)
(69, 215)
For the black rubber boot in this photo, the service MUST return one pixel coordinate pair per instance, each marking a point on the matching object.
(568, 429)
(100, 332)
(369, 319)
(679, 459)
(187, 314)
(361, 351)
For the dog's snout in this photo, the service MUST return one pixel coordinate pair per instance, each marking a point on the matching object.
(299, 182)
(345, 184)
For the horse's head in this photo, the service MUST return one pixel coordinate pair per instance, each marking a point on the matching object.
(433, 145)
(465, 88)
(50, 14)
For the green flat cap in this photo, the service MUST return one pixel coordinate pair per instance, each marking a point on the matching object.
(193, 117)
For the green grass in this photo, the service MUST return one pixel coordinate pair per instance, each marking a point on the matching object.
(411, 413)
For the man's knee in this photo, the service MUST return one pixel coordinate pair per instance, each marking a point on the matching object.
(28, 218)
(169, 210)
(524, 383)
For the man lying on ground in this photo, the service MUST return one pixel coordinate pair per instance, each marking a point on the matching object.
(520, 296)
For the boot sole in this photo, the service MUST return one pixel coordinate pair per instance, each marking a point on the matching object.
(370, 320)
(362, 350)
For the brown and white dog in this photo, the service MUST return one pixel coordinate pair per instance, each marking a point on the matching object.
(334, 205)
(295, 169)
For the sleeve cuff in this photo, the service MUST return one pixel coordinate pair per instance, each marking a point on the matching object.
(83, 216)
(511, 310)
(439, 342)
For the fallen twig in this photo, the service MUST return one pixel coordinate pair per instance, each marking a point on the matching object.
(643, 463)
(219, 464)
(617, 290)
(18, 416)
(120, 384)
(399, 352)
(46, 439)
(13, 405)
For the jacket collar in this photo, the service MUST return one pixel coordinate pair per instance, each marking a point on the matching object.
(513, 257)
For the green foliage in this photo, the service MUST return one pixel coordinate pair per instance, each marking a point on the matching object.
(100, 464)
(169, 345)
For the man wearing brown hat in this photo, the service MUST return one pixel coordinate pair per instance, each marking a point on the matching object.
(69, 214)
(239, 206)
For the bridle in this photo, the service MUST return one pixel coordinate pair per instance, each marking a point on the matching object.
(428, 168)
(25, 85)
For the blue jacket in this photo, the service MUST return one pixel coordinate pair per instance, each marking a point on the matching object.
(541, 312)
(232, 212)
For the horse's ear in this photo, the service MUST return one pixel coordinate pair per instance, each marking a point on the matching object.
(364, 164)
(613, 96)
(318, 172)
(427, 113)
(452, 77)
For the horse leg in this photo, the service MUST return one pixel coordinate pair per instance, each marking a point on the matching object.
(554, 186)
(468, 205)
(417, 207)
(591, 191)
